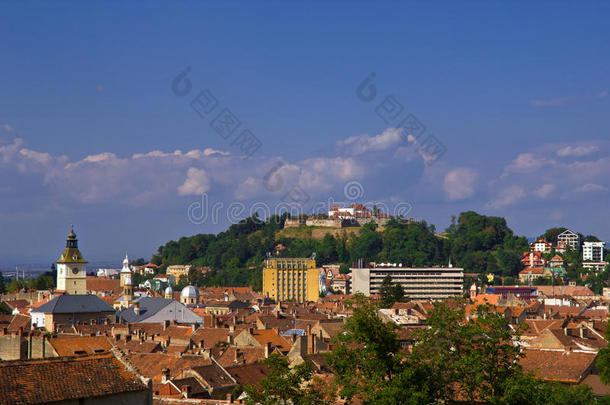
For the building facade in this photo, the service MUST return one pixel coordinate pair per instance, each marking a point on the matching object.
(417, 283)
(71, 268)
(178, 270)
(291, 279)
(571, 239)
(593, 251)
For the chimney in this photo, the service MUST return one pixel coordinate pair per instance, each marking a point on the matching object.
(164, 375)
(230, 339)
(267, 349)
(236, 358)
(165, 324)
(311, 341)
(201, 345)
(136, 308)
(194, 327)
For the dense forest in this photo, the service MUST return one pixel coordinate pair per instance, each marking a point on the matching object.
(478, 243)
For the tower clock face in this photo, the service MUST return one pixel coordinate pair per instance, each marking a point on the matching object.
(75, 270)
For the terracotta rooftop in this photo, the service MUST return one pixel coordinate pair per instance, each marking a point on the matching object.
(80, 345)
(248, 374)
(209, 336)
(567, 367)
(63, 379)
(112, 286)
(238, 355)
(151, 365)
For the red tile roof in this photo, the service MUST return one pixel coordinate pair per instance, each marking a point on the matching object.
(62, 379)
(80, 345)
(567, 367)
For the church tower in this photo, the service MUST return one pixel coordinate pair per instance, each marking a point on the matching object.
(126, 279)
(71, 272)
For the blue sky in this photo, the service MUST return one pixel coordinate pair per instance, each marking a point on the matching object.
(516, 92)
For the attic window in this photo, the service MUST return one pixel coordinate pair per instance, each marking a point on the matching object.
(79, 352)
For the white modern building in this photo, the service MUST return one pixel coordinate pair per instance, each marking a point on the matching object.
(418, 282)
(593, 251)
(571, 239)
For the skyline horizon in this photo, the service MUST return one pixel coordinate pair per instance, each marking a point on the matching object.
(97, 261)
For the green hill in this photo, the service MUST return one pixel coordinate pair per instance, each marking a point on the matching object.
(478, 243)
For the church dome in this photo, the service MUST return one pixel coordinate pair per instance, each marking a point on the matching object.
(189, 292)
(169, 291)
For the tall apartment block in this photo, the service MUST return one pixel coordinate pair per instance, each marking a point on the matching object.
(291, 279)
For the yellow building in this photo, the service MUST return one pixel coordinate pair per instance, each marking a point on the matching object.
(286, 279)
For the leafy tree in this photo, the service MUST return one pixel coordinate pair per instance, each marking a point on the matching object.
(524, 388)
(471, 359)
(14, 286)
(368, 363)
(551, 234)
(390, 292)
(2, 288)
(283, 385)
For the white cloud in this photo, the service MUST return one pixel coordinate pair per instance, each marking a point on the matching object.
(528, 161)
(459, 183)
(545, 190)
(577, 150)
(357, 145)
(196, 183)
(8, 128)
(508, 196)
(591, 188)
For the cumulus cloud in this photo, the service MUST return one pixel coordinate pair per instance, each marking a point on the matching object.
(357, 145)
(591, 188)
(508, 196)
(528, 161)
(542, 174)
(144, 177)
(576, 150)
(459, 183)
(196, 183)
(8, 128)
(545, 190)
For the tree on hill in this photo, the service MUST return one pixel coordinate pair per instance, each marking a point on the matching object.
(486, 244)
(390, 292)
(551, 234)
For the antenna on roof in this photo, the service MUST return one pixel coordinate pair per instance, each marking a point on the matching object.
(313, 255)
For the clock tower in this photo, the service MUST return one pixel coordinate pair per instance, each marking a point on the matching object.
(71, 273)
